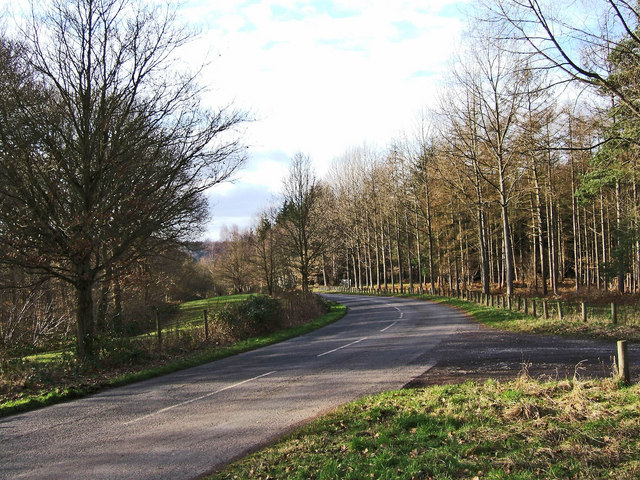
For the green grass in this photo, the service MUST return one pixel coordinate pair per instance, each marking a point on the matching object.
(515, 321)
(517, 430)
(45, 358)
(58, 394)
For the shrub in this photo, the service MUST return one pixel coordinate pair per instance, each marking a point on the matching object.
(117, 352)
(300, 308)
(257, 315)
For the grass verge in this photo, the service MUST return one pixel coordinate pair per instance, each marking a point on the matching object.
(517, 430)
(57, 395)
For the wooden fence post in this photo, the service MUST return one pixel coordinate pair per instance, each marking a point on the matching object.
(614, 313)
(526, 306)
(560, 315)
(533, 307)
(206, 325)
(545, 309)
(584, 311)
(623, 362)
(158, 327)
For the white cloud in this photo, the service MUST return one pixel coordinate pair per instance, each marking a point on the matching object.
(320, 75)
(268, 173)
(323, 75)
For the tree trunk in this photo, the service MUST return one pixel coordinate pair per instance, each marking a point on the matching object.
(508, 246)
(384, 256)
(541, 234)
(418, 252)
(484, 254)
(596, 250)
(430, 236)
(409, 263)
(84, 318)
(393, 284)
(619, 238)
(605, 258)
(400, 277)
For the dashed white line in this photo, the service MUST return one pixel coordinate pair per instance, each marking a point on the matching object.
(228, 387)
(399, 318)
(389, 326)
(340, 348)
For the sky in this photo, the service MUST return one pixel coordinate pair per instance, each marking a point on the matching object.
(319, 77)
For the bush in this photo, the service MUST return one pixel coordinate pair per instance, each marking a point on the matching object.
(114, 352)
(257, 315)
(300, 308)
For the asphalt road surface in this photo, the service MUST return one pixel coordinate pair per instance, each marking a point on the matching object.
(185, 424)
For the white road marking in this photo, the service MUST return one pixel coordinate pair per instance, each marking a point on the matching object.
(343, 346)
(228, 387)
(400, 318)
(389, 326)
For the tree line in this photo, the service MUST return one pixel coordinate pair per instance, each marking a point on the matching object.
(523, 175)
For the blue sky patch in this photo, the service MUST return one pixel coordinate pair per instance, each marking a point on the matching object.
(452, 10)
(335, 9)
(423, 74)
(406, 30)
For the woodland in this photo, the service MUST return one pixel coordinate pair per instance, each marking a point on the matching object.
(521, 178)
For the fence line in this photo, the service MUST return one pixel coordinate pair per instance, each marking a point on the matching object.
(627, 314)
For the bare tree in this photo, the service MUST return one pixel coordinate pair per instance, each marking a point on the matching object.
(115, 150)
(301, 217)
(234, 266)
(268, 256)
(577, 39)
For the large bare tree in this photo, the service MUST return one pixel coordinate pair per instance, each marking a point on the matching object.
(301, 217)
(115, 149)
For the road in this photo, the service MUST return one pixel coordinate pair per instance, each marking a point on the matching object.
(182, 425)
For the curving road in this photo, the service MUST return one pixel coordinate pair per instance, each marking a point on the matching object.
(182, 425)
(186, 424)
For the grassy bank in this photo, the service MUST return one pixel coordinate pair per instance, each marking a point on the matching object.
(517, 430)
(100, 379)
